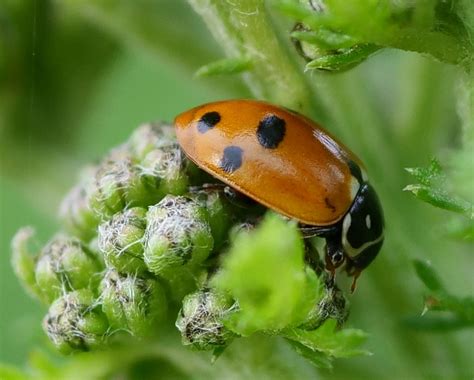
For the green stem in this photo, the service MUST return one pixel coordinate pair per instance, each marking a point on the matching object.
(245, 30)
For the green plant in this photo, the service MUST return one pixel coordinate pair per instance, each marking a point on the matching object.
(336, 36)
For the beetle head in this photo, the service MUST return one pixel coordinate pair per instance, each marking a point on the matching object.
(362, 230)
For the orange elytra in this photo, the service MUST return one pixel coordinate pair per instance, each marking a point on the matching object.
(290, 164)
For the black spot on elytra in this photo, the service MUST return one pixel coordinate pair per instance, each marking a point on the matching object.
(271, 131)
(232, 159)
(329, 204)
(208, 121)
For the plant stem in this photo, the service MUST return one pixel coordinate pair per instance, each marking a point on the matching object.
(245, 30)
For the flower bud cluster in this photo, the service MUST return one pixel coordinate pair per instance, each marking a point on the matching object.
(142, 232)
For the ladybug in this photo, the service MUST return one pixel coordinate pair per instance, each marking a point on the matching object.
(290, 164)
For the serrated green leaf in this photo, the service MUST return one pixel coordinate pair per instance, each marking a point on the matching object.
(440, 199)
(325, 39)
(319, 359)
(431, 189)
(227, 66)
(428, 275)
(343, 59)
(463, 307)
(426, 176)
(277, 290)
(329, 340)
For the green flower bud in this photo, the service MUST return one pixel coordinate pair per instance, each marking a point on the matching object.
(171, 166)
(239, 228)
(177, 233)
(65, 264)
(24, 262)
(76, 214)
(200, 320)
(149, 137)
(120, 240)
(220, 215)
(111, 181)
(163, 169)
(131, 303)
(76, 322)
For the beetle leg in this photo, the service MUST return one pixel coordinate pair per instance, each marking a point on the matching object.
(351, 270)
(312, 258)
(207, 188)
(313, 231)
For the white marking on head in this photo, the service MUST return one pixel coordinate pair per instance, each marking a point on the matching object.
(365, 177)
(348, 248)
(355, 186)
(368, 222)
(346, 223)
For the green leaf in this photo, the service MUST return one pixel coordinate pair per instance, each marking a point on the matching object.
(325, 39)
(343, 59)
(463, 307)
(11, 373)
(461, 310)
(300, 13)
(427, 176)
(227, 66)
(330, 341)
(319, 359)
(383, 24)
(278, 290)
(24, 261)
(433, 189)
(440, 199)
(427, 274)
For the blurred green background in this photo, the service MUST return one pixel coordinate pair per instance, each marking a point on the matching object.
(77, 77)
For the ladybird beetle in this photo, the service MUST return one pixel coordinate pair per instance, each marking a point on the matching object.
(288, 163)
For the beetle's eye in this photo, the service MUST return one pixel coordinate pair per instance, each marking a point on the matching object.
(337, 258)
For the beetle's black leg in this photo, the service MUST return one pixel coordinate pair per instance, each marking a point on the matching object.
(353, 271)
(233, 196)
(207, 188)
(237, 198)
(312, 258)
(313, 231)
